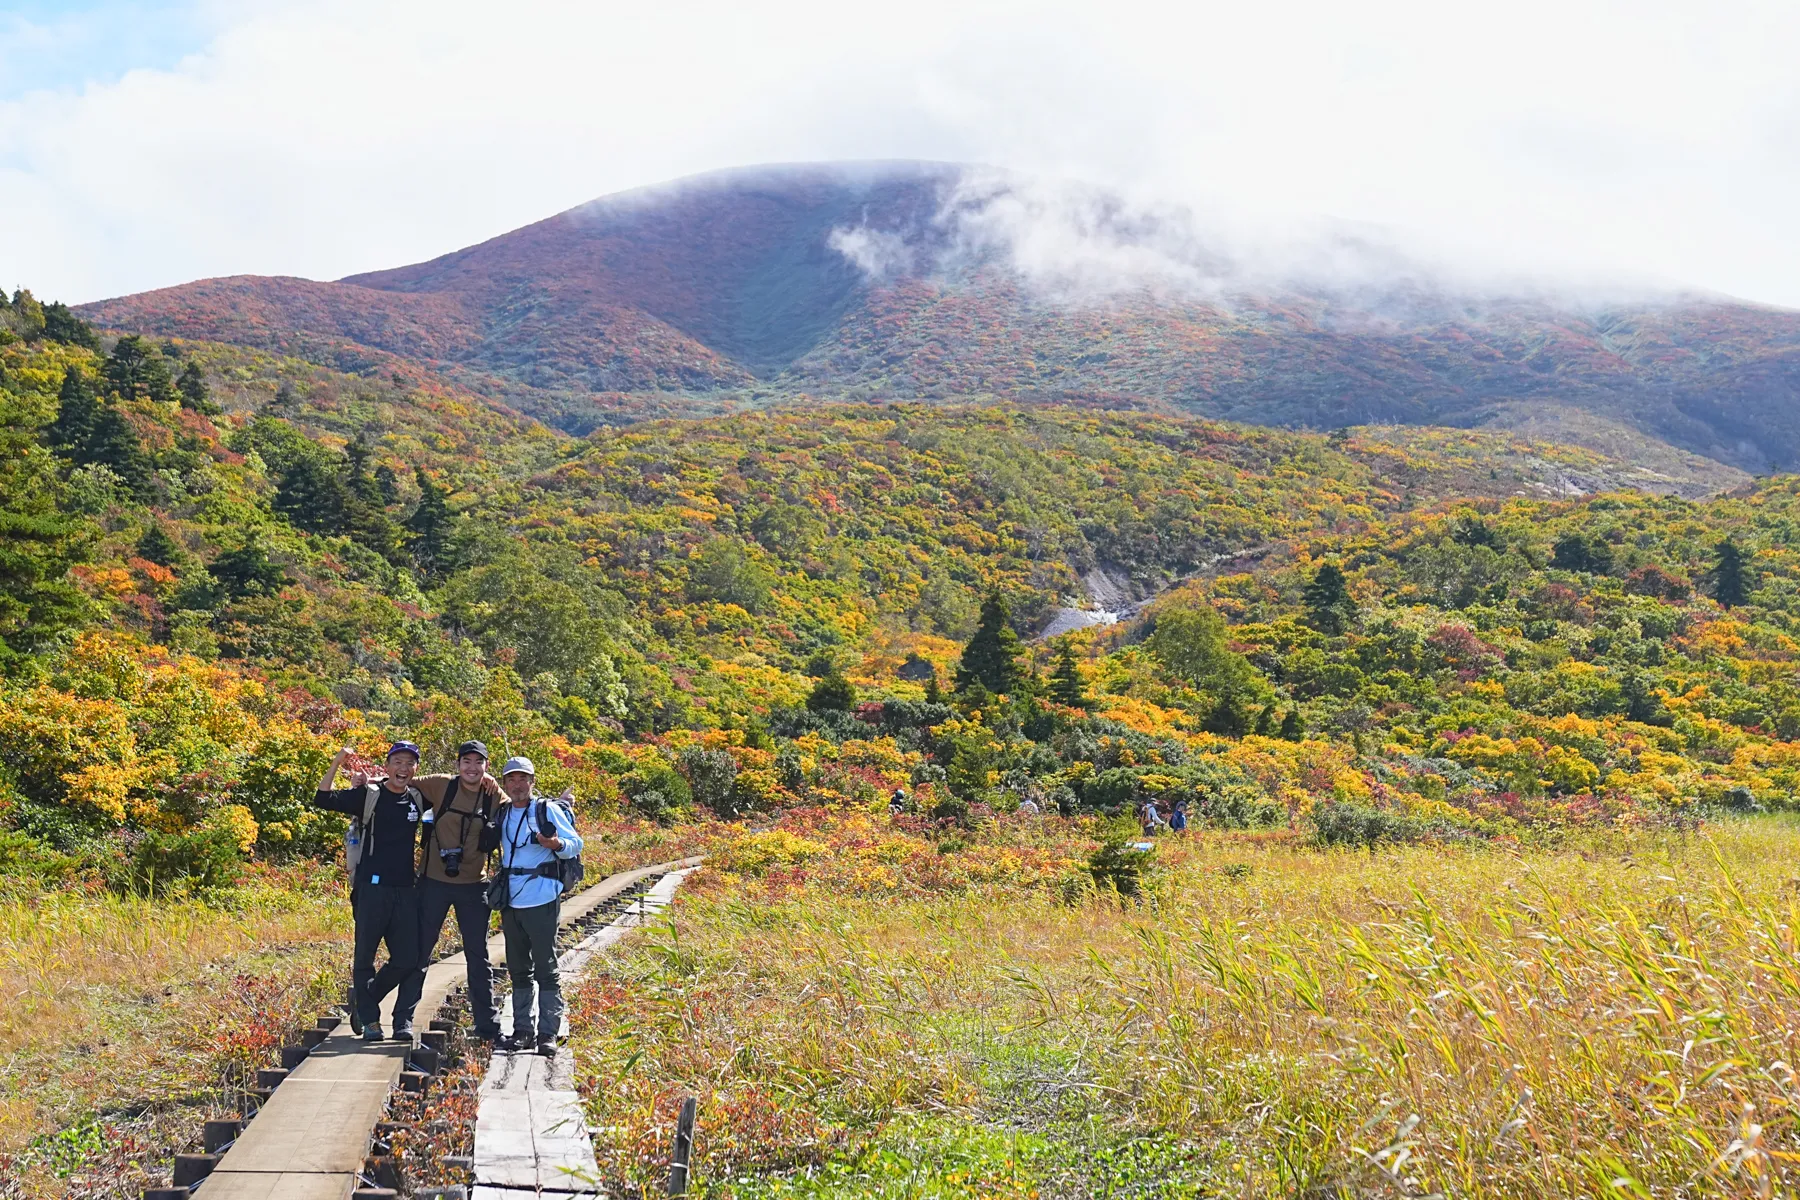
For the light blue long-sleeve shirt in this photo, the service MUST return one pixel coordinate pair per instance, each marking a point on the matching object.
(519, 848)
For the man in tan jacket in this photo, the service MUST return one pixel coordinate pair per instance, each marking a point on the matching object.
(453, 875)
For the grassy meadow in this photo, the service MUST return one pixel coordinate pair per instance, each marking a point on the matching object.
(879, 1010)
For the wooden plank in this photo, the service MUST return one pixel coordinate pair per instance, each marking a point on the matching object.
(278, 1185)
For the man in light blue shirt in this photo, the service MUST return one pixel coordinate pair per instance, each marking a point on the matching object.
(531, 880)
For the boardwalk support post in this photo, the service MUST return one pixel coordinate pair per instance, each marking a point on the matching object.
(684, 1146)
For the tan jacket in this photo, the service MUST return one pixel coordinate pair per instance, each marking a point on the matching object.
(458, 812)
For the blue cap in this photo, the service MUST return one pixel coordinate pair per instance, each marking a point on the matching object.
(404, 748)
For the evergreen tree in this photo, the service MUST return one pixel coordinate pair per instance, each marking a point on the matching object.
(833, 693)
(933, 693)
(62, 325)
(38, 544)
(1066, 684)
(195, 394)
(1265, 721)
(431, 529)
(1292, 727)
(365, 516)
(310, 492)
(1730, 574)
(136, 369)
(247, 571)
(1229, 717)
(77, 413)
(158, 547)
(1327, 598)
(90, 431)
(992, 655)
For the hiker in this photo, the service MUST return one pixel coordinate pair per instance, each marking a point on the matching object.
(1150, 818)
(528, 886)
(1178, 818)
(384, 822)
(453, 876)
(897, 802)
(1027, 806)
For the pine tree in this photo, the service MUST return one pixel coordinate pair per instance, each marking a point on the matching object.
(1229, 717)
(158, 547)
(1292, 727)
(1327, 599)
(1066, 684)
(431, 529)
(833, 693)
(1265, 721)
(195, 394)
(365, 515)
(62, 325)
(1730, 576)
(933, 693)
(137, 369)
(992, 656)
(38, 545)
(90, 431)
(311, 493)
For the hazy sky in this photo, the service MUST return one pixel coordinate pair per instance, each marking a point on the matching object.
(149, 142)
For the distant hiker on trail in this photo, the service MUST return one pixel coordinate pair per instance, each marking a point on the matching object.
(1178, 818)
(463, 832)
(897, 802)
(1028, 807)
(1150, 818)
(385, 819)
(537, 836)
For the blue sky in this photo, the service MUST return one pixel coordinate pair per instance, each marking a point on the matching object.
(63, 45)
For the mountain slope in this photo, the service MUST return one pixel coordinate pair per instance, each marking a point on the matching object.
(934, 281)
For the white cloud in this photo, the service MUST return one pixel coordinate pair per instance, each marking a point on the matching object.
(323, 137)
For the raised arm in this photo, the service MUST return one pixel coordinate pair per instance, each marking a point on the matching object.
(329, 782)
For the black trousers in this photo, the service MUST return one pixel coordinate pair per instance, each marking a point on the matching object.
(436, 901)
(391, 915)
(531, 961)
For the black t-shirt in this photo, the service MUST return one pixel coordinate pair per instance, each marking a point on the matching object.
(388, 849)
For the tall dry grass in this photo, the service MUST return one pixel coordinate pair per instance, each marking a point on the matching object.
(115, 1005)
(1611, 1021)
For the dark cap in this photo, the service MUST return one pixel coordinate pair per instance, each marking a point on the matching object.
(472, 748)
(403, 748)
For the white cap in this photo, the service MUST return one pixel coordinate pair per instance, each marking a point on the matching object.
(514, 765)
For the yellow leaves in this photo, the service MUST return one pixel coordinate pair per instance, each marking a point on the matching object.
(236, 819)
(758, 853)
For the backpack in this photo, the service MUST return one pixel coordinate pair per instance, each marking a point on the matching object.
(356, 838)
(568, 870)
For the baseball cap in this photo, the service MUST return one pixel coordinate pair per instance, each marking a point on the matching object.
(522, 765)
(472, 748)
(403, 748)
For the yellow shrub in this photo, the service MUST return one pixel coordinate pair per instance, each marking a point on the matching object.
(757, 853)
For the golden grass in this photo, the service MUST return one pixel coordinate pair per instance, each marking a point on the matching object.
(1619, 1021)
(117, 1004)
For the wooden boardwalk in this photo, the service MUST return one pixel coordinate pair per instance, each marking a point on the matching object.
(309, 1141)
(530, 1135)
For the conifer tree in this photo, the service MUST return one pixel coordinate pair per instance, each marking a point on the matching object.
(1066, 684)
(1730, 577)
(136, 369)
(1265, 721)
(431, 528)
(195, 394)
(158, 547)
(833, 693)
(90, 431)
(1329, 607)
(1292, 727)
(933, 693)
(992, 656)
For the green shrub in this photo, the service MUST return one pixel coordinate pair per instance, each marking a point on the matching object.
(1358, 825)
(1119, 864)
(207, 860)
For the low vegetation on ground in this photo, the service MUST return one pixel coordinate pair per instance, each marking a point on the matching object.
(876, 1008)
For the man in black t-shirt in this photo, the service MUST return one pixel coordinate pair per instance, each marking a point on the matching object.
(383, 889)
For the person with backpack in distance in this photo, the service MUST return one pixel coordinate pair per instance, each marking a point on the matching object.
(385, 819)
(539, 860)
(457, 845)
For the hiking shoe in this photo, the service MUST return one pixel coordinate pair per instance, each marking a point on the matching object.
(547, 1049)
(371, 1032)
(492, 1037)
(403, 1033)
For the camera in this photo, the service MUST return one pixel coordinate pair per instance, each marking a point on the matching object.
(452, 857)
